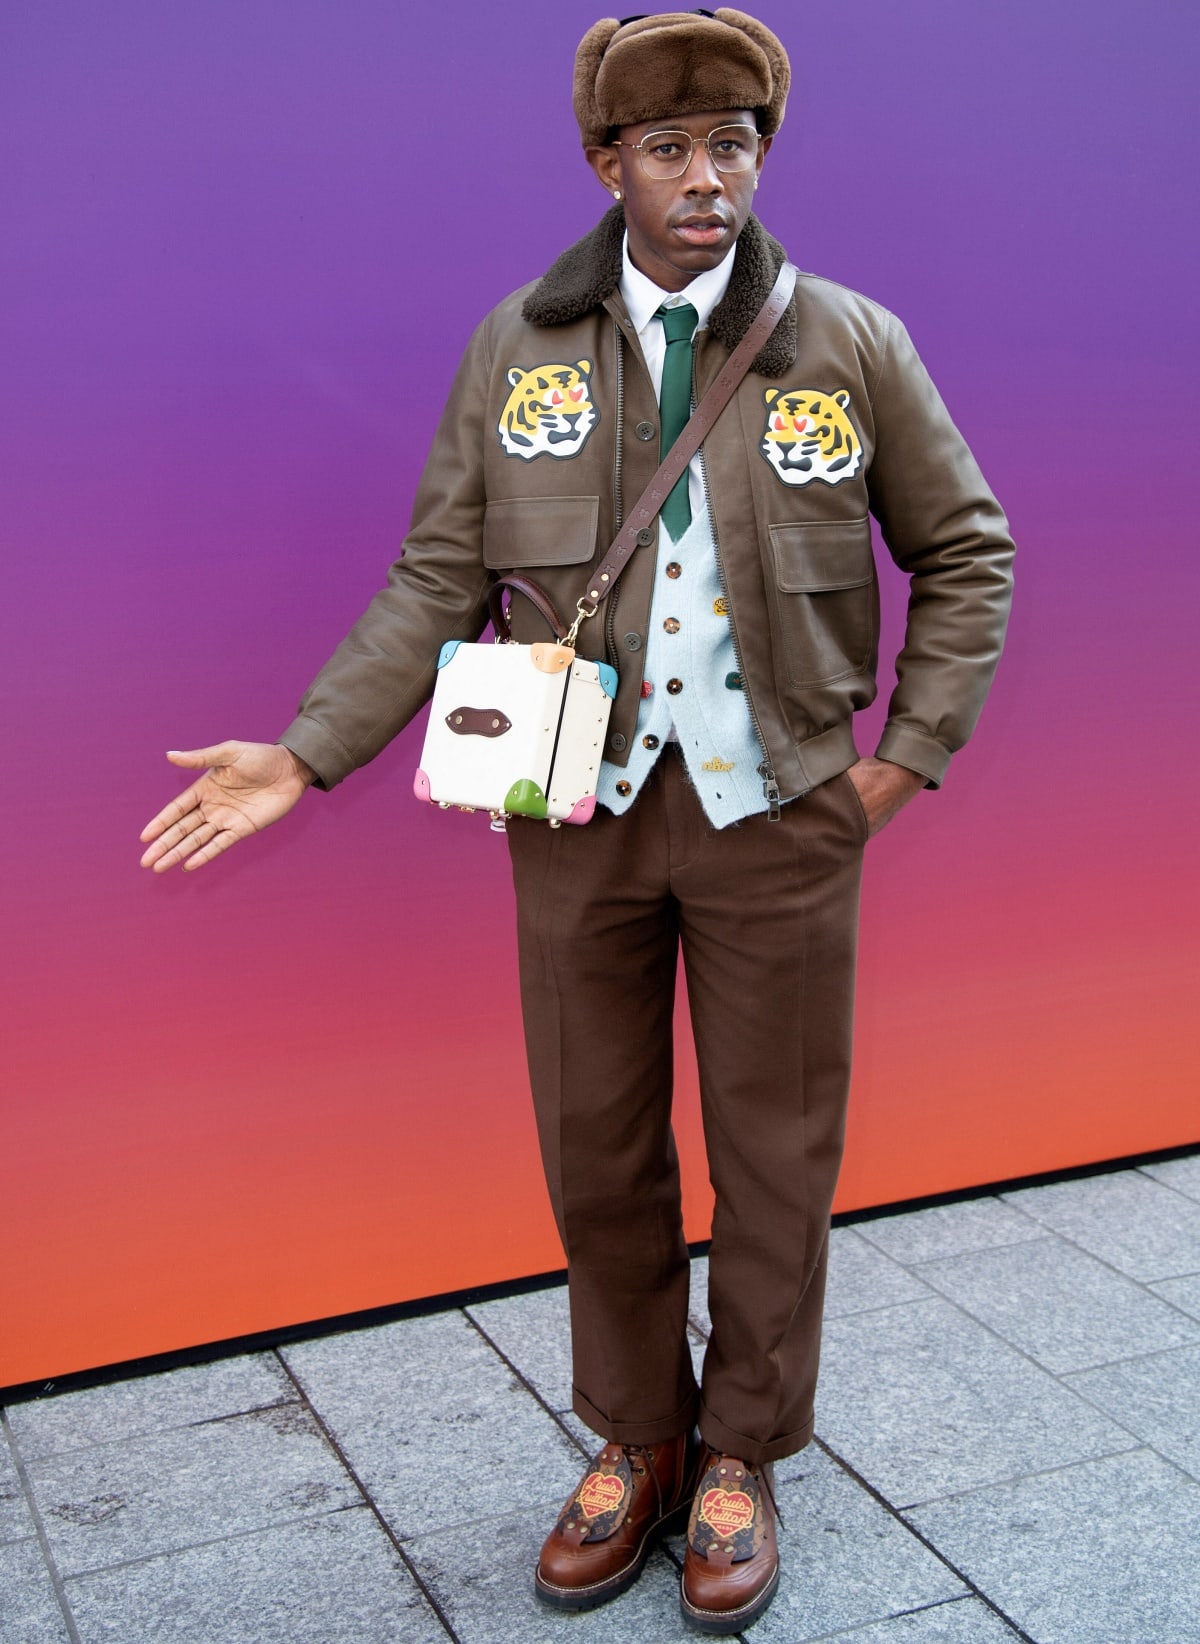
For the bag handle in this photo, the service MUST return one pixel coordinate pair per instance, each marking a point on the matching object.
(533, 592)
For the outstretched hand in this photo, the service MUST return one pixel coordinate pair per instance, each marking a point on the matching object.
(245, 787)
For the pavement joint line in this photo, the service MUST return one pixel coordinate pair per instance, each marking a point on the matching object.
(997, 1335)
(984, 1250)
(1019, 1478)
(1135, 1358)
(1188, 1198)
(157, 1432)
(1142, 1284)
(877, 1495)
(883, 1621)
(368, 1498)
(213, 1541)
(527, 1384)
(52, 1569)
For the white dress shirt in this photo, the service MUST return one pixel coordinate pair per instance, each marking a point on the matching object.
(643, 299)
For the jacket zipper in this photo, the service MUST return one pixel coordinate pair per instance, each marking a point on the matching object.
(610, 613)
(766, 770)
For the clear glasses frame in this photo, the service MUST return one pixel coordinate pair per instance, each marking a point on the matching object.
(663, 166)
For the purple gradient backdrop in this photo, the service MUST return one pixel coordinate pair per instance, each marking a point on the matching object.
(232, 299)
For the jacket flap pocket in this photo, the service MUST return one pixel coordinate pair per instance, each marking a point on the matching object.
(539, 531)
(821, 555)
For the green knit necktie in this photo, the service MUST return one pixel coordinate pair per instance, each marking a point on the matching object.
(675, 406)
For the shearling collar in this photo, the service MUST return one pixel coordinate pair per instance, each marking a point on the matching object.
(590, 271)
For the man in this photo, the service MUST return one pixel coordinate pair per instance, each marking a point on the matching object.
(734, 806)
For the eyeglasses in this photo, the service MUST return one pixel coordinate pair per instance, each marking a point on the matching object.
(665, 154)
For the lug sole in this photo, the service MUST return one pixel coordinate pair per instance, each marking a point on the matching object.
(721, 1623)
(602, 1592)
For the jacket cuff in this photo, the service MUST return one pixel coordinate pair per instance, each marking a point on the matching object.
(318, 747)
(904, 746)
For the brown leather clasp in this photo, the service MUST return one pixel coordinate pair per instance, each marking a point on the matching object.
(490, 722)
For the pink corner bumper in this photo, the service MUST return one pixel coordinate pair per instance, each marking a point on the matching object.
(583, 810)
(421, 787)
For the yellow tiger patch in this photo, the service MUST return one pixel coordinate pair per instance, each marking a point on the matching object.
(549, 411)
(809, 436)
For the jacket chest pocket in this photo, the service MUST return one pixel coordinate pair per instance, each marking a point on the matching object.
(520, 532)
(825, 598)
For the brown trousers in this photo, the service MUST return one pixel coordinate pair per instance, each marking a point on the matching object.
(766, 916)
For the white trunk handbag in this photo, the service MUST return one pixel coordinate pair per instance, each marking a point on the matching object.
(518, 730)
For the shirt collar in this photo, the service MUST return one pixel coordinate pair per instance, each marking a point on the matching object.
(642, 298)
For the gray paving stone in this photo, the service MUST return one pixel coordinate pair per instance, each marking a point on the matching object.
(1181, 1293)
(434, 1423)
(119, 1501)
(923, 1400)
(844, 1560)
(961, 1621)
(482, 1576)
(1137, 1225)
(1181, 1174)
(15, 1521)
(947, 1230)
(149, 1404)
(29, 1609)
(1158, 1398)
(1058, 1304)
(1106, 1552)
(698, 1297)
(534, 1331)
(862, 1277)
(336, 1577)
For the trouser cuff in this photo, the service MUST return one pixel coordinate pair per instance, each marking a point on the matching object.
(637, 1432)
(732, 1443)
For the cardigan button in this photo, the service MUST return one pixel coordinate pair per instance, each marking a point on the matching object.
(632, 642)
(650, 742)
(617, 742)
(674, 569)
(645, 430)
(671, 625)
(674, 686)
(624, 789)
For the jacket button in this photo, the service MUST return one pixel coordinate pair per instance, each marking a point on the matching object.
(671, 625)
(649, 742)
(632, 642)
(624, 789)
(645, 536)
(674, 686)
(617, 742)
(645, 430)
(674, 569)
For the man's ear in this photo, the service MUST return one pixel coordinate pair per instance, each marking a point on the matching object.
(606, 163)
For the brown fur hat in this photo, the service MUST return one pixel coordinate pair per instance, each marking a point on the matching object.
(678, 62)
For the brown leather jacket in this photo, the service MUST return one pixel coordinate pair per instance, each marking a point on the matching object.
(551, 429)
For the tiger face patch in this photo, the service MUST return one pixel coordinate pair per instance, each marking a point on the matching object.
(809, 436)
(549, 412)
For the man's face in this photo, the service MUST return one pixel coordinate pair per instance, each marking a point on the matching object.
(681, 226)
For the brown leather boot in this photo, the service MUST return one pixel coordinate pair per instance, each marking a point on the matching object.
(731, 1567)
(630, 1496)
